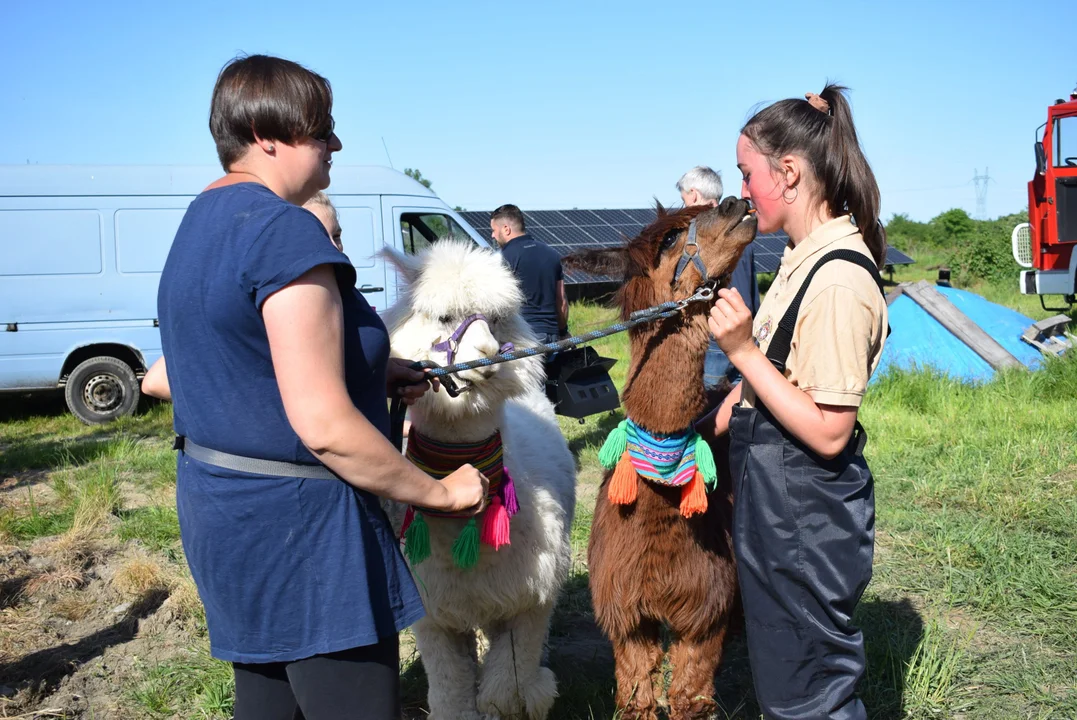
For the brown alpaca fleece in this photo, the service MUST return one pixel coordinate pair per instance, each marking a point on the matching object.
(650, 566)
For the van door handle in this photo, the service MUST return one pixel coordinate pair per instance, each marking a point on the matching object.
(370, 289)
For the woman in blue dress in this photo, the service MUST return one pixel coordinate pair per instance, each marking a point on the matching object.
(278, 372)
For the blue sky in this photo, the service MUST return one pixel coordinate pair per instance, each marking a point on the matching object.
(554, 105)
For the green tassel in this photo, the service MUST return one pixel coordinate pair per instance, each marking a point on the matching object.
(465, 550)
(614, 447)
(705, 463)
(417, 540)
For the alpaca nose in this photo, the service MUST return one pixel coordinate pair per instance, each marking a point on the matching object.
(488, 347)
(727, 206)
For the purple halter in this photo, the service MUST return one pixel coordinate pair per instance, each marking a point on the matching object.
(450, 346)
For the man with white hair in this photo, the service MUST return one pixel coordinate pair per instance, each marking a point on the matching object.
(700, 186)
(703, 186)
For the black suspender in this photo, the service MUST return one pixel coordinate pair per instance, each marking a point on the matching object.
(778, 350)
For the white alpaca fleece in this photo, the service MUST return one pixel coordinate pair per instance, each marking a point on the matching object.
(456, 278)
(510, 594)
(416, 323)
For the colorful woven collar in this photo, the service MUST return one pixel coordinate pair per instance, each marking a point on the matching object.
(439, 460)
(667, 460)
(681, 460)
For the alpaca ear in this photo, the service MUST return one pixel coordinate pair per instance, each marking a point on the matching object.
(409, 266)
(610, 261)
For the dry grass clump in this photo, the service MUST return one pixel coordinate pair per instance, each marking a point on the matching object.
(139, 577)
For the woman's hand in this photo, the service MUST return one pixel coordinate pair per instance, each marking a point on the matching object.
(403, 381)
(464, 490)
(731, 324)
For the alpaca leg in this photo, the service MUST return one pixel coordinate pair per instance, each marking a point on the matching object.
(695, 661)
(638, 659)
(449, 660)
(513, 684)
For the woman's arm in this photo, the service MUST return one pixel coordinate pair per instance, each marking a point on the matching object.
(304, 323)
(825, 429)
(155, 381)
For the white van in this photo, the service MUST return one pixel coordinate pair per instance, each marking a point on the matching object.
(81, 253)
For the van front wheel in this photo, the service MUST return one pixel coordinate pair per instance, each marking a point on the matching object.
(102, 389)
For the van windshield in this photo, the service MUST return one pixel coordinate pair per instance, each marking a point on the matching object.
(420, 230)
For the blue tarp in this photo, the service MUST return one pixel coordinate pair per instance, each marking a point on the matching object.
(918, 340)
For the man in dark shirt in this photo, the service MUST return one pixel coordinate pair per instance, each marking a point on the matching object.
(703, 186)
(538, 268)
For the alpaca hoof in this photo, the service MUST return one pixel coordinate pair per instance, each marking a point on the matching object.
(697, 708)
(540, 694)
(634, 712)
(533, 701)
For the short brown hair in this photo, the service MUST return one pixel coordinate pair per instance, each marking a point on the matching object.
(510, 214)
(274, 98)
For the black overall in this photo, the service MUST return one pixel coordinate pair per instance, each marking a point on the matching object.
(803, 534)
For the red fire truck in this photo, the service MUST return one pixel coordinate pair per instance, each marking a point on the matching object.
(1045, 244)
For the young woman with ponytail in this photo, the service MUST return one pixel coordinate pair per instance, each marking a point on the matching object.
(804, 511)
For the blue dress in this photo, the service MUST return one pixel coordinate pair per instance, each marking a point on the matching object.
(287, 568)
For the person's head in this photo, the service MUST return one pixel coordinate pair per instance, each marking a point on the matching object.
(323, 209)
(506, 223)
(273, 118)
(802, 158)
(700, 186)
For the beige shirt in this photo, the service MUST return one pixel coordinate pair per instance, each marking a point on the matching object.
(841, 328)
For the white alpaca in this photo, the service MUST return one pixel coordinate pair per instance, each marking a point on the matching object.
(510, 593)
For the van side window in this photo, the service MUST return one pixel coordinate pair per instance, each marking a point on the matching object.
(420, 230)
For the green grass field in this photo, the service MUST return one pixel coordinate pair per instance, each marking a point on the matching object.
(972, 612)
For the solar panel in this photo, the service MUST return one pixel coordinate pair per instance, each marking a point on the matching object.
(769, 249)
(569, 231)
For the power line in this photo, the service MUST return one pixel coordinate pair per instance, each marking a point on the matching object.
(981, 182)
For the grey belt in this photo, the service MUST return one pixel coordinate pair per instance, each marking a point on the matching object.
(228, 461)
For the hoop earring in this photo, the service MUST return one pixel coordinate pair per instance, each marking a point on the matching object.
(790, 200)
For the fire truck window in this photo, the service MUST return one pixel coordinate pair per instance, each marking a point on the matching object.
(1065, 132)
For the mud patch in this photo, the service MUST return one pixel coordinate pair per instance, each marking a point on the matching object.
(71, 634)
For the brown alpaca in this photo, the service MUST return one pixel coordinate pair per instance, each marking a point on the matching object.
(649, 565)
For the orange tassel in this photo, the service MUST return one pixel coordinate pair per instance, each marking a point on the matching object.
(623, 483)
(694, 496)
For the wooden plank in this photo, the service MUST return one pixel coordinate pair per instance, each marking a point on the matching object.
(895, 294)
(939, 307)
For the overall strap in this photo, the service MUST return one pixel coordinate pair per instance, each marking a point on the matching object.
(778, 350)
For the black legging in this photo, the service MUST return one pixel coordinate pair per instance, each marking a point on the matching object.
(363, 682)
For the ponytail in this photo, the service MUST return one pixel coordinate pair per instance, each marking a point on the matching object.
(820, 129)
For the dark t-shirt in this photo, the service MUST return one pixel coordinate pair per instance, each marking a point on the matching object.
(538, 268)
(287, 568)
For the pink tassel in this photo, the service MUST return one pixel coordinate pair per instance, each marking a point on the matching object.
(508, 493)
(495, 524)
(409, 516)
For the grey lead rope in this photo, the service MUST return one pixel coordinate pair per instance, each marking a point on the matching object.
(640, 317)
(398, 410)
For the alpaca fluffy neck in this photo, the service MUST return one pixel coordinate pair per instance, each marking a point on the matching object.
(455, 429)
(664, 390)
